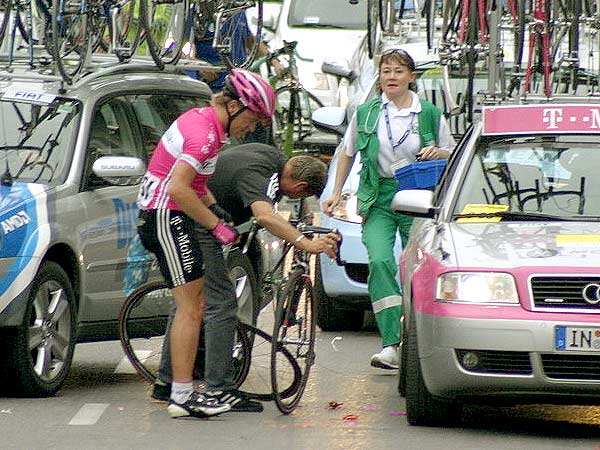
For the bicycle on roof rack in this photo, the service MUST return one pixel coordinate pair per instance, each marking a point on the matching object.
(294, 103)
(267, 366)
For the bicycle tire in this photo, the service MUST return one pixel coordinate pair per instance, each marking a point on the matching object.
(226, 37)
(165, 24)
(143, 320)
(256, 382)
(372, 19)
(70, 37)
(386, 11)
(294, 329)
(292, 119)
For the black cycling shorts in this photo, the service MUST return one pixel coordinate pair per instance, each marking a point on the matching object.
(170, 235)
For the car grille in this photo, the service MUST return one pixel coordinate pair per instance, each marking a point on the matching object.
(494, 361)
(571, 367)
(562, 291)
(357, 272)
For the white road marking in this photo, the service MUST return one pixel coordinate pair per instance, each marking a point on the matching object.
(89, 414)
(125, 366)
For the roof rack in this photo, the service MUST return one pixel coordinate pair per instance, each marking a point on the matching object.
(99, 66)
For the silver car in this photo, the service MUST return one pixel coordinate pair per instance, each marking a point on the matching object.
(69, 162)
(501, 275)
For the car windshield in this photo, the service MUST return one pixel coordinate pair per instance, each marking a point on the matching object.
(539, 178)
(328, 13)
(36, 141)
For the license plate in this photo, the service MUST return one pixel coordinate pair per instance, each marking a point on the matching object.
(577, 339)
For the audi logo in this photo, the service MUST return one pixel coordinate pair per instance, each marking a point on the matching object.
(591, 293)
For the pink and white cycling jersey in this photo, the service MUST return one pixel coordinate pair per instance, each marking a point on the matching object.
(194, 138)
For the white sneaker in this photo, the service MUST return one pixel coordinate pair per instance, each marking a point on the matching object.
(386, 358)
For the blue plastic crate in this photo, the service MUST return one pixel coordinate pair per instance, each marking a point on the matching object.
(420, 175)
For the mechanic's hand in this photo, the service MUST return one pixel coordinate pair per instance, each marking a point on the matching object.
(225, 234)
(324, 244)
(430, 153)
(329, 205)
(221, 213)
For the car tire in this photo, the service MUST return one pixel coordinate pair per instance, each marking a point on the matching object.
(246, 287)
(330, 317)
(422, 408)
(48, 326)
(403, 361)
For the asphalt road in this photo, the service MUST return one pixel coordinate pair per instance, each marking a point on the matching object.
(104, 406)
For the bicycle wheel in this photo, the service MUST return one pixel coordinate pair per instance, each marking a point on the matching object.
(294, 330)
(165, 23)
(233, 23)
(69, 44)
(257, 380)
(143, 323)
(372, 19)
(291, 121)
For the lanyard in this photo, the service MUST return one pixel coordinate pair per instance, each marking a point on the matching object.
(389, 129)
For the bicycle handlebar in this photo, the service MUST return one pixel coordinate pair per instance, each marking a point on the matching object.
(305, 229)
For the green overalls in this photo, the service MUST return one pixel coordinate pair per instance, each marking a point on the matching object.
(380, 223)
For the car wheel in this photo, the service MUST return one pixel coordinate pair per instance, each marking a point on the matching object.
(403, 360)
(331, 317)
(422, 408)
(246, 288)
(40, 352)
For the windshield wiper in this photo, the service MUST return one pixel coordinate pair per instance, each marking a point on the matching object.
(321, 25)
(533, 216)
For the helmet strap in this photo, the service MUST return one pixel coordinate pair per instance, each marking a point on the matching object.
(231, 117)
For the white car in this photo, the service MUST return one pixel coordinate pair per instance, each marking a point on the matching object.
(323, 29)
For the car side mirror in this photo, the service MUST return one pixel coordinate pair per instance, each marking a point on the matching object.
(338, 70)
(119, 170)
(414, 202)
(331, 119)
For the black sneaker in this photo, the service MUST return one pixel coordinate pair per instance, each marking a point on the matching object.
(198, 405)
(161, 392)
(239, 402)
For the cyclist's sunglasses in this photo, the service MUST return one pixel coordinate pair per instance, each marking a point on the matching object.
(403, 54)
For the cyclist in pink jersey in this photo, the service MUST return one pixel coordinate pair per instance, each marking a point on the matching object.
(173, 198)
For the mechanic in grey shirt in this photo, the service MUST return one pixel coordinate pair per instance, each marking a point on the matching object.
(249, 179)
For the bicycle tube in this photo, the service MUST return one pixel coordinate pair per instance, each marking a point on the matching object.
(143, 323)
(294, 330)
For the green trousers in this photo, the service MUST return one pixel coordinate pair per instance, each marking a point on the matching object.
(379, 237)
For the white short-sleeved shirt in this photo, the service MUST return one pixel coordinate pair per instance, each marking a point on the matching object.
(400, 120)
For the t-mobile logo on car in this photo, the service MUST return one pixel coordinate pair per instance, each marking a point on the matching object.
(590, 117)
(528, 119)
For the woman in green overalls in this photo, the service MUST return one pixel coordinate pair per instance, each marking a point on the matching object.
(391, 130)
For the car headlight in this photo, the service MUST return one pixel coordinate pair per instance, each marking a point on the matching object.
(347, 208)
(477, 287)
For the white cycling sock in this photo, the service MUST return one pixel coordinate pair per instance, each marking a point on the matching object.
(180, 392)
